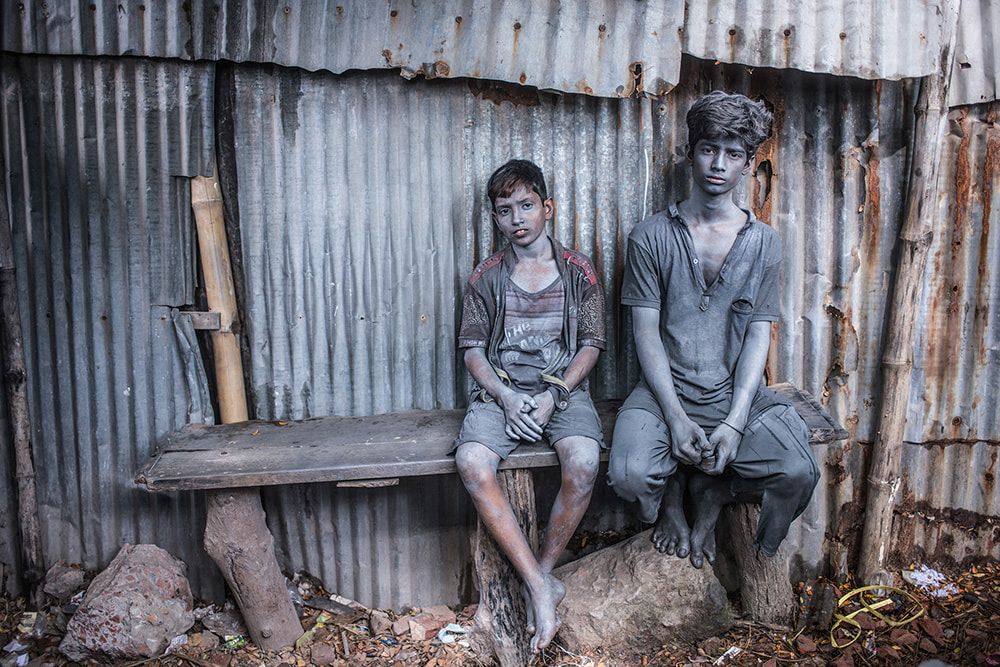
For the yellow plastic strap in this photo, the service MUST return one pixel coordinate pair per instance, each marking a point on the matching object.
(872, 608)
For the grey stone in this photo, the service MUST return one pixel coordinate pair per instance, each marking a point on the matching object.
(63, 580)
(379, 623)
(322, 655)
(132, 609)
(225, 623)
(631, 594)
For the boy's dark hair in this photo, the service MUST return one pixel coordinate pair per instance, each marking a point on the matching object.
(720, 114)
(512, 174)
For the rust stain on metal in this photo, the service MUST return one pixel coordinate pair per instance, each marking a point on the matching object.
(765, 176)
(991, 168)
(944, 531)
(499, 92)
(734, 32)
(989, 477)
(873, 200)
(787, 33)
(836, 472)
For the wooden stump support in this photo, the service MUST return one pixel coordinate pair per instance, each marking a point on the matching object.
(765, 589)
(501, 619)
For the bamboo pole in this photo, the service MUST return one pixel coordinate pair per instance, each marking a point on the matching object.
(15, 380)
(897, 358)
(206, 200)
(236, 534)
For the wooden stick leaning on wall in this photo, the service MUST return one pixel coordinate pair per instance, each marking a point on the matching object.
(15, 381)
(897, 357)
(244, 549)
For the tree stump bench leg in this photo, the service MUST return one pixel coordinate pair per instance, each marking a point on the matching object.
(765, 589)
(237, 539)
(501, 619)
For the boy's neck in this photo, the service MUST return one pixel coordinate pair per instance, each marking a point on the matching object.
(539, 251)
(702, 209)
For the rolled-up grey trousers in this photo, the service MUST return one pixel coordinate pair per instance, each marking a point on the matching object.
(773, 460)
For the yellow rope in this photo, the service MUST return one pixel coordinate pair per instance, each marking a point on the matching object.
(872, 608)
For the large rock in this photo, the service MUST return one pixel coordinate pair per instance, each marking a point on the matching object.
(631, 594)
(132, 609)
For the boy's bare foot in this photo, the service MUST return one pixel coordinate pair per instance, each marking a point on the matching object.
(709, 494)
(526, 594)
(671, 534)
(543, 604)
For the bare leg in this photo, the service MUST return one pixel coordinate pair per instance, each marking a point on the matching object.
(579, 458)
(710, 494)
(672, 534)
(477, 466)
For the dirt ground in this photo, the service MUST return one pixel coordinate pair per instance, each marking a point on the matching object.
(903, 626)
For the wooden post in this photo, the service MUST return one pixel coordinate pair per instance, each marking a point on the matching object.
(236, 534)
(765, 588)
(897, 358)
(500, 624)
(15, 384)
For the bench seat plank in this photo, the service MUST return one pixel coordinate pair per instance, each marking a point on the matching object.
(342, 449)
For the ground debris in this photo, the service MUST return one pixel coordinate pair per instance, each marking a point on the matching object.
(960, 629)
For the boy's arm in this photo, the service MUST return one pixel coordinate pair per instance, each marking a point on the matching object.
(725, 439)
(579, 366)
(516, 406)
(686, 437)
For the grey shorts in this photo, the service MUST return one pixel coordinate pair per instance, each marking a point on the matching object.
(484, 423)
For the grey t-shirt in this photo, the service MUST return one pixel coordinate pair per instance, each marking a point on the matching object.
(702, 327)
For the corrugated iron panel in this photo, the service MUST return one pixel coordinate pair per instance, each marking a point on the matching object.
(603, 48)
(976, 74)
(957, 353)
(587, 47)
(872, 40)
(97, 152)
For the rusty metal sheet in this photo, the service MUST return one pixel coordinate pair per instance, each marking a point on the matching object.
(98, 152)
(873, 40)
(975, 77)
(956, 381)
(605, 48)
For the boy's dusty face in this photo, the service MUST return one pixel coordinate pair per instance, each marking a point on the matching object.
(522, 215)
(717, 165)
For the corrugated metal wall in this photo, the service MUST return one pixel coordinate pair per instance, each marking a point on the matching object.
(590, 47)
(874, 40)
(362, 213)
(99, 152)
(975, 77)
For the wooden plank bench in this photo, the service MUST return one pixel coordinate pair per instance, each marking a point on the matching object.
(232, 461)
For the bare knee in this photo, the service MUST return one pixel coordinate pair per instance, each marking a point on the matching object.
(475, 466)
(580, 461)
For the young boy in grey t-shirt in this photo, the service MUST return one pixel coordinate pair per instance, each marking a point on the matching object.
(702, 281)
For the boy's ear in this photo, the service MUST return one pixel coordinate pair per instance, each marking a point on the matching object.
(550, 208)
